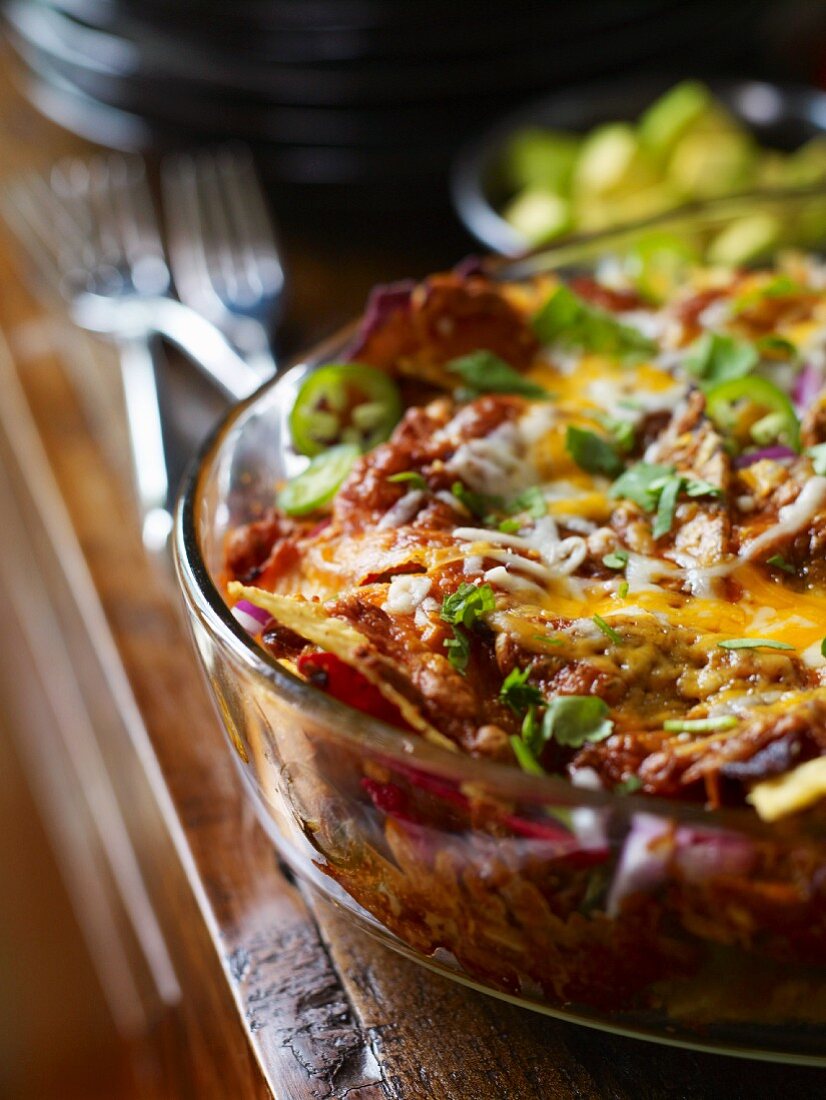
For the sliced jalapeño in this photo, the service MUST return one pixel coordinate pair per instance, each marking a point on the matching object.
(344, 403)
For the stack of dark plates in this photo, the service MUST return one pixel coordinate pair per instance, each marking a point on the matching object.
(366, 95)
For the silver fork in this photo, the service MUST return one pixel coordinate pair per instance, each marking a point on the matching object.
(91, 229)
(222, 247)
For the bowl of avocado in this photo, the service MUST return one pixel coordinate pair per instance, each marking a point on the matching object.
(600, 157)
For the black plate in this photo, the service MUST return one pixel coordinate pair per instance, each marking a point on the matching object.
(523, 64)
(781, 117)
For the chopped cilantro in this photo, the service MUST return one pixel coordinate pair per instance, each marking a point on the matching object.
(525, 758)
(616, 560)
(700, 725)
(622, 432)
(643, 484)
(818, 456)
(531, 501)
(753, 643)
(412, 476)
(593, 453)
(484, 372)
(715, 358)
(608, 630)
(478, 504)
(823, 648)
(666, 504)
(467, 604)
(463, 609)
(574, 719)
(509, 526)
(629, 785)
(779, 562)
(517, 693)
(458, 649)
(780, 286)
(656, 488)
(569, 321)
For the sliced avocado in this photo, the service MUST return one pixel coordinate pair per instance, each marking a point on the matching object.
(772, 169)
(601, 211)
(611, 160)
(668, 118)
(744, 240)
(705, 165)
(810, 225)
(540, 158)
(807, 165)
(538, 215)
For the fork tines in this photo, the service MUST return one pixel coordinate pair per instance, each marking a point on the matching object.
(222, 245)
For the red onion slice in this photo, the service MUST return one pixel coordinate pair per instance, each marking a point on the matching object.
(807, 386)
(250, 617)
(383, 302)
(776, 452)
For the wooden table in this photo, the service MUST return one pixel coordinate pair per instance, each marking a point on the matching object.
(225, 976)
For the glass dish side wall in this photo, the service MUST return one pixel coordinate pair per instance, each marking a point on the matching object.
(647, 918)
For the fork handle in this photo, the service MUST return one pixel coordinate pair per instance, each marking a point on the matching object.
(199, 339)
(143, 417)
(209, 350)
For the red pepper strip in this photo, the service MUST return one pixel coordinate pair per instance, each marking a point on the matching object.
(441, 789)
(349, 686)
(570, 851)
(390, 800)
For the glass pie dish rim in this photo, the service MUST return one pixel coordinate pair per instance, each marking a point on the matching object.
(357, 728)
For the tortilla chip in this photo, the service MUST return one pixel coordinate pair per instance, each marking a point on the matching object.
(312, 621)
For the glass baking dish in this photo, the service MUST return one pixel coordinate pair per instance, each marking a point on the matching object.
(641, 916)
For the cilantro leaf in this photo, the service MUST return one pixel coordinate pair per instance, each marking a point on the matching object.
(574, 719)
(531, 731)
(467, 604)
(623, 433)
(642, 483)
(525, 757)
(609, 632)
(781, 286)
(715, 357)
(531, 501)
(458, 649)
(478, 504)
(779, 562)
(463, 609)
(593, 453)
(517, 693)
(665, 507)
(570, 322)
(412, 476)
(629, 785)
(485, 372)
(656, 488)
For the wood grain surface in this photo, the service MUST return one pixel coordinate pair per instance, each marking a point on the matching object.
(228, 978)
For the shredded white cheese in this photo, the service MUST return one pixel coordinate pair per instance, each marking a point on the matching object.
(406, 592)
(790, 519)
(403, 510)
